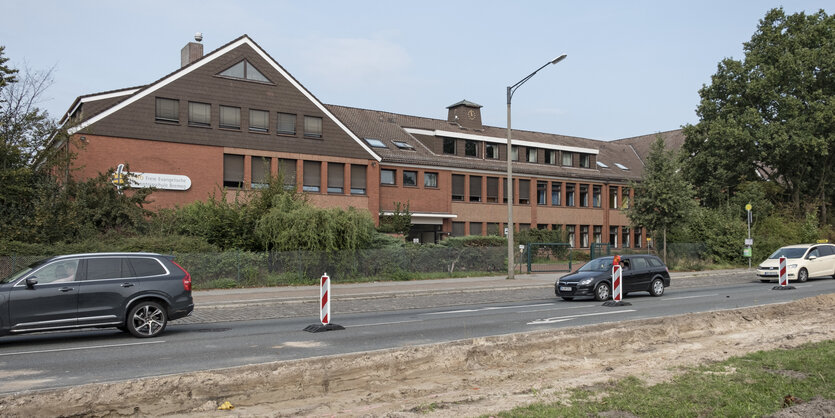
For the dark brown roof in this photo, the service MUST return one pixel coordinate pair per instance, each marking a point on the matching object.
(673, 140)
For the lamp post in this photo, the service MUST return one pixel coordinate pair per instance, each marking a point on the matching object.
(509, 191)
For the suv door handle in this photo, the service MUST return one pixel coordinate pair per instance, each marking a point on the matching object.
(66, 289)
(127, 284)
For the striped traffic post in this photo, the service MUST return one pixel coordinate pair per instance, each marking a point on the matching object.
(324, 303)
(783, 277)
(617, 283)
(324, 308)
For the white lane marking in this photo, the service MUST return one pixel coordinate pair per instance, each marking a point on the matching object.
(559, 308)
(692, 297)
(570, 317)
(491, 308)
(385, 323)
(90, 347)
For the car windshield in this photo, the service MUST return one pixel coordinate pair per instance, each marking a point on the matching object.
(21, 272)
(598, 264)
(788, 253)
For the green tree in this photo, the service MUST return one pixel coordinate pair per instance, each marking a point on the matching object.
(399, 222)
(663, 198)
(772, 113)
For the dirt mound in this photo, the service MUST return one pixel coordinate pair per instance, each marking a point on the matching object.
(467, 377)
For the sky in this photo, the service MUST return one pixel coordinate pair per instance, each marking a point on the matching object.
(632, 68)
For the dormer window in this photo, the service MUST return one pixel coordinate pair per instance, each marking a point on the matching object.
(245, 71)
(585, 160)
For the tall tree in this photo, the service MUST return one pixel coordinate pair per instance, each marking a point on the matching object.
(663, 198)
(772, 112)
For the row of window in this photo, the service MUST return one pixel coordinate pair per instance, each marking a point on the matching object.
(410, 178)
(200, 115)
(261, 171)
(619, 236)
(531, 154)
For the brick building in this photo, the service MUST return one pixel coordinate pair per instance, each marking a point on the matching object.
(234, 116)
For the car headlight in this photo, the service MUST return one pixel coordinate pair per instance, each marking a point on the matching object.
(585, 281)
(792, 266)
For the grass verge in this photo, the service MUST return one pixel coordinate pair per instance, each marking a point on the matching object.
(752, 385)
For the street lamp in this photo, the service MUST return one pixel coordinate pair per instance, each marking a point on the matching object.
(510, 91)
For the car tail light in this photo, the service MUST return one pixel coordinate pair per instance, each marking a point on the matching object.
(187, 279)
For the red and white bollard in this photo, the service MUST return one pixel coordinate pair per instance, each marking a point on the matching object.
(324, 302)
(784, 277)
(617, 283)
(324, 308)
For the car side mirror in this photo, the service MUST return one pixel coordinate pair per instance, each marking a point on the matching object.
(812, 257)
(31, 282)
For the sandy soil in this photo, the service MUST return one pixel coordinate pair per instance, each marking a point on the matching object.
(462, 378)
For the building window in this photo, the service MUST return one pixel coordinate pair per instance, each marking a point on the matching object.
(458, 187)
(458, 229)
(492, 190)
(569, 194)
(167, 110)
(287, 171)
(556, 193)
(613, 197)
(449, 146)
(244, 70)
(584, 195)
(514, 153)
(625, 197)
(524, 226)
(598, 234)
(625, 239)
(260, 171)
(613, 236)
(312, 127)
(430, 180)
(638, 235)
(233, 170)
(387, 177)
(596, 191)
(475, 192)
(471, 148)
(532, 155)
(567, 159)
(286, 124)
(230, 117)
(550, 156)
(541, 192)
(409, 178)
(584, 236)
(524, 192)
(259, 120)
(312, 176)
(491, 151)
(569, 233)
(585, 160)
(493, 228)
(199, 114)
(336, 178)
(475, 228)
(358, 179)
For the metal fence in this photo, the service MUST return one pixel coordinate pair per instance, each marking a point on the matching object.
(545, 257)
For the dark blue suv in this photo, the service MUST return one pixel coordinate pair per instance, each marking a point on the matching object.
(135, 292)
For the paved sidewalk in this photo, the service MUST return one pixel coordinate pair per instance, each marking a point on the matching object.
(224, 298)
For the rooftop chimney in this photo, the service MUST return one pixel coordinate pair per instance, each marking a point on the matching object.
(193, 51)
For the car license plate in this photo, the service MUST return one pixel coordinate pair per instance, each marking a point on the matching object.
(769, 273)
(565, 288)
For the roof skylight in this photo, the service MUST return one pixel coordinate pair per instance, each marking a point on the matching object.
(601, 165)
(402, 145)
(376, 143)
(621, 166)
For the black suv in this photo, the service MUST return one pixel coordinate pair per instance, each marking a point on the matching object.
(641, 273)
(135, 292)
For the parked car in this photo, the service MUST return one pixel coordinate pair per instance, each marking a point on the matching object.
(641, 273)
(135, 292)
(803, 261)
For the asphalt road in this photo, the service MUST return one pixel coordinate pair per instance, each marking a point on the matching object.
(51, 360)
